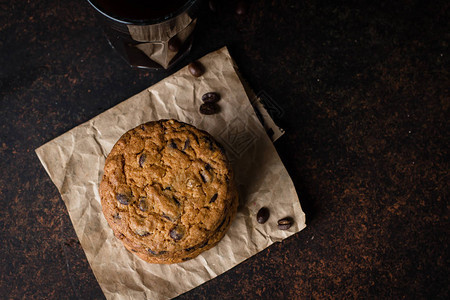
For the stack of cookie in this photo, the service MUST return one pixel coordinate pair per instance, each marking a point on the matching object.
(168, 191)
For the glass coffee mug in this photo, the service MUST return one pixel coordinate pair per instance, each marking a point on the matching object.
(151, 34)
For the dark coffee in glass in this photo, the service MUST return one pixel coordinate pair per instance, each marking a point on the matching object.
(149, 33)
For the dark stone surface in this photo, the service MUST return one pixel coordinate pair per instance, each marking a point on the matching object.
(364, 93)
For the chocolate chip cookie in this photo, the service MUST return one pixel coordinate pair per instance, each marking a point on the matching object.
(168, 191)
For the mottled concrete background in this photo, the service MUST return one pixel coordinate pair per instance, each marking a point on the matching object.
(363, 90)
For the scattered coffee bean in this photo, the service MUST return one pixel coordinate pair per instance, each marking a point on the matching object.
(123, 199)
(210, 97)
(142, 159)
(143, 204)
(241, 8)
(213, 198)
(196, 69)
(176, 233)
(262, 215)
(285, 223)
(209, 108)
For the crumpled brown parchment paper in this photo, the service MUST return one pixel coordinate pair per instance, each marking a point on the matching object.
(75, 161)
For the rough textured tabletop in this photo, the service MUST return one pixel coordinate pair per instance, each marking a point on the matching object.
(362, 90)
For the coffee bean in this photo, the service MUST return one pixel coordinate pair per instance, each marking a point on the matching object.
(213, 198)
(211, 97)
(285, 223)
(209, 108)
(142, 159)
(177, 233)
(143, 204)
(241, 8)
(262, 215)
(123, 199)
(196, 69)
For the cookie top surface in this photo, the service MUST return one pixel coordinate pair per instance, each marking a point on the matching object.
(167, 187)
